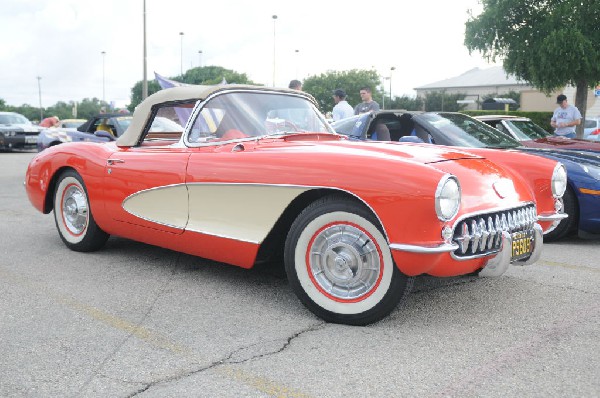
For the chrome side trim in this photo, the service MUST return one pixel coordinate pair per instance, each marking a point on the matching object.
(552, 217)
(441, 248)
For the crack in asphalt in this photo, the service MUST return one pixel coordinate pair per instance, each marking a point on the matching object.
(227, 359)
(130, 335)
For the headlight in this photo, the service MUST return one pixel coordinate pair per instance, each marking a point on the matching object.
(559, 181)
(447, 198)
(593, 171)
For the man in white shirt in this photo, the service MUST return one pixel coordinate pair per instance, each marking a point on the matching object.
(565, 118)
(342, 108)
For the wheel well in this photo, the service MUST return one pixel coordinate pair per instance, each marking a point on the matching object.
(49, 200)
(271, 249)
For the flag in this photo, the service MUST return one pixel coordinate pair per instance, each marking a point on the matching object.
(182, 113)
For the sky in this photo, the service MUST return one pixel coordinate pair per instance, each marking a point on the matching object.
(62, 42)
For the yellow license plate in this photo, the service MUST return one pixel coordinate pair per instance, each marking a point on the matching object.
(522, 245)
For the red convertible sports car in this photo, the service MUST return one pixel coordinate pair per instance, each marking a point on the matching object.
(258, 174)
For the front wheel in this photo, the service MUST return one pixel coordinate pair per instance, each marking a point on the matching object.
(339, 263)
(74, 220)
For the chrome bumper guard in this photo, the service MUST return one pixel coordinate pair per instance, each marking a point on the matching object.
(499, 264)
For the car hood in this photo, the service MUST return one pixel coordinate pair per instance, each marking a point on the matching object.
(419, 153)
(567, 143)
(577, 156)
(28, 128)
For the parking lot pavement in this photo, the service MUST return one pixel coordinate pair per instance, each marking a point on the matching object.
(137, 320)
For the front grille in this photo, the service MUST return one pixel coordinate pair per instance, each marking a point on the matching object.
(482, 234)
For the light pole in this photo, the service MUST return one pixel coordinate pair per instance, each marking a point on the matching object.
(39, 78)
(199, 58)
(145, 76)
(392, 69)
(297, 63)
(274, 19)
(103, 77)
(181, 52)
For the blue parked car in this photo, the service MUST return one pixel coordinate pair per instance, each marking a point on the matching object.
(581, 201)
(100, 128)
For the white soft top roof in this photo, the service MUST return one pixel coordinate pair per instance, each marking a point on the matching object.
(142, 112)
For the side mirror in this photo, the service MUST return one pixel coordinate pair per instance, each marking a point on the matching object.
(104, 134)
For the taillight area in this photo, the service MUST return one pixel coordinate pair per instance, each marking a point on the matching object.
(595, 132)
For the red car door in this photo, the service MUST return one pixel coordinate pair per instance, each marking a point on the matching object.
(145, 186)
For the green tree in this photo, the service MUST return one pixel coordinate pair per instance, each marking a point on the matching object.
(407, 103)
(441, 101)
(208, 75)
(2, 105)
(321, 87)
(549, 44)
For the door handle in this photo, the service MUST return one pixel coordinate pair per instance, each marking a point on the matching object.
(111, 162)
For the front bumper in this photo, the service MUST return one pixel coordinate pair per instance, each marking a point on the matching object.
(18, 141)
(499, 264)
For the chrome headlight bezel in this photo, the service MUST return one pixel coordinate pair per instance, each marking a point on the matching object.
(559, 181)
(447, 198)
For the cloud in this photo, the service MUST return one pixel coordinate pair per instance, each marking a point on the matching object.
(62, 42)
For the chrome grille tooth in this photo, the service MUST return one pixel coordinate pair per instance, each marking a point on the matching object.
(498, 231)
(484, 234)
(504, 222)
(463, 238)
(492, 231)
(476, 236)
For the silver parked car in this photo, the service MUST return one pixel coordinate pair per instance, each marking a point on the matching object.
(17, 132)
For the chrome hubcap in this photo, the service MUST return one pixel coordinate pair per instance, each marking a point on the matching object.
(344, 262)
(75, 210)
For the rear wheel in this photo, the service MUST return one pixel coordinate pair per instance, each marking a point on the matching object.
(339, 263)
(74, 220)
(569, 224)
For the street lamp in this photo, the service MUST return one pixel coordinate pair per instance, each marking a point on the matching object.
(274, 19)
(145, 75)
(392, 69)
(199, 58)
(39, 78)
(181, 52)
(297, 62)
(103, 77)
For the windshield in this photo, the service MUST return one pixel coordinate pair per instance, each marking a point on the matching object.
(351, 126)
(14, 119)
(526, 129)
(463, 130)
(590, 123)
(256, 114)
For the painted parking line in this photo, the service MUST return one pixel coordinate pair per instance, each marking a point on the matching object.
(568, 266)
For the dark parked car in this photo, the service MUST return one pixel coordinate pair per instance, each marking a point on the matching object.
(581, 200)
(100, 128)
(531, 135)
(17, 132)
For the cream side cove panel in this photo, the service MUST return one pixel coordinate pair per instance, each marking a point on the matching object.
(165, 205)
(238, 211)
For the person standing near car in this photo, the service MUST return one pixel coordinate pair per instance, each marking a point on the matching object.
(342, 108)
(295, 85)
(368, 105)
(565, 118)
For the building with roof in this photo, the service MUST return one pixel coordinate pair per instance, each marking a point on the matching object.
(495, 82)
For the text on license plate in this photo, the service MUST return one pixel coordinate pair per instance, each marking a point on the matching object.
(30, 139)
(522, 244)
